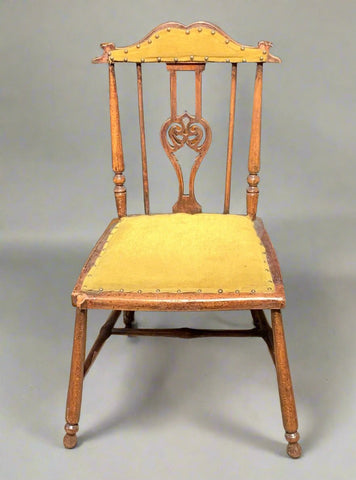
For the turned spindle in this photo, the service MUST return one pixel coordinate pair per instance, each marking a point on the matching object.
(253, 179)
(118, 165)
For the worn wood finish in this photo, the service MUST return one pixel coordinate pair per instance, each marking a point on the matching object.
(75, 388)
(118, 165)
(255, 146)
(146, 199)
(104, 334)
(230, 142)
(286, 395)
(184, 48)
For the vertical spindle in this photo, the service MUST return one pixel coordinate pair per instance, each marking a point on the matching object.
(255, 146)
(143, 139)
(118, 165)
(230, 142)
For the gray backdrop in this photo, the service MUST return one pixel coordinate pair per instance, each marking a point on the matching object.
(161, 408)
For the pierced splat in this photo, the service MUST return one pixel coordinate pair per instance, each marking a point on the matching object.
(186, 130)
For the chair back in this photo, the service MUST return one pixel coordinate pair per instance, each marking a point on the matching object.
(187, 48)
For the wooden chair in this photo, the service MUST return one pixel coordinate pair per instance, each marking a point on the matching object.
(186, 260)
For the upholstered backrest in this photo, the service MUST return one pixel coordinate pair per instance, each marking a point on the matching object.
(187, 48)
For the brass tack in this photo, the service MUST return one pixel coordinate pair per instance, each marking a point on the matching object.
(138, 45)
(261, 58)
(253, 291)
(206, 59)
(220, 290)
(142, 60)
(158, 290)
(213, 32)
(187, 32)
(121, 290)
(139, 291)
(242, 47)
(267, 269)
(85, 286)
(192, 57)
(149, 40)
(125, 51)
(269, 288)
(199, 290)
(176, 59)
(200, 29)
(125, 60)
(227, 60)
(101, 289)
(156, 36)
(264, 52)
(237, 291)
(244, 60)
(168, 29)
(158, 59)
(179, 291)
(227, 41)
(270, 281)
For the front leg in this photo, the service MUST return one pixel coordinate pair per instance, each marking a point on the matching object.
(74, 398)
(286, 395)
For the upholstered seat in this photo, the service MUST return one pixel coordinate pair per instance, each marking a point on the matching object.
(178, 253)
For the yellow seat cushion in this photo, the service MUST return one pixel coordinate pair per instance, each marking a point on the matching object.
(204, 253)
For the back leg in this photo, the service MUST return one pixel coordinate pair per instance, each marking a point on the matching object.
(286, 395)
(129, 318)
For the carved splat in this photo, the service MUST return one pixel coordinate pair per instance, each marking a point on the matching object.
(187, 130)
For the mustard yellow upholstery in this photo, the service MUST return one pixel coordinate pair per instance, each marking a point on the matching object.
(208, 253)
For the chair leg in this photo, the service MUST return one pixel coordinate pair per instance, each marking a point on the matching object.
(74, 398)
(286, 395)
(129, 318)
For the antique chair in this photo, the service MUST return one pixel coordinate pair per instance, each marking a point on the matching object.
(185, 260)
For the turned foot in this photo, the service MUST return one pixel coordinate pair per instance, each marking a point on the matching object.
(70, 438)
(294, 450)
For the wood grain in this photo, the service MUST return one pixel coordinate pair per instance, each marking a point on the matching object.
(146, 198)
(286, 395)
(118, 164)
(186, 130)
(255, 146)
(75, 389)
(230, 142)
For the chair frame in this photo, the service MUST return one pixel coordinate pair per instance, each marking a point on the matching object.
(177, 131)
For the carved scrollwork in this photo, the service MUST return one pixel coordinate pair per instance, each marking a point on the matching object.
(185, 130)
(195, 133)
